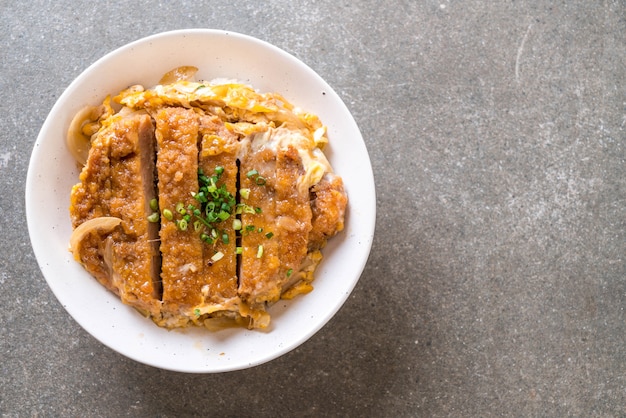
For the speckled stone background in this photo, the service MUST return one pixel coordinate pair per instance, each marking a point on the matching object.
(496, 284)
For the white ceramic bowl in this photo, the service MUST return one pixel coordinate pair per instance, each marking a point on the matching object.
(52, 172)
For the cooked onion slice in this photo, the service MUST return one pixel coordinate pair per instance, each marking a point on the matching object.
(186, 72)
(77, 140)
(103, 224)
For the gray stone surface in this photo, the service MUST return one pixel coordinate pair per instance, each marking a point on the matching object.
(497, 280)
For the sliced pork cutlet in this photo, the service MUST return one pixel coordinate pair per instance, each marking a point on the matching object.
(181, 248)
(327, 208)
(293, 220)
(259, 261)
(328, 204)
(276, 226)
(117, 181)
(218, 161)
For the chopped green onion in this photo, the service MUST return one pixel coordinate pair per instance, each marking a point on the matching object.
(225, 238)
(250, 228)
(239, 250)
(216, 204)
(201, 197)
(259, 252)
(289, 272)
(269, 235)
(154, 204)
(182, 224)
(252, 173)
(196, 312)
(245, 193)
(258, 210)
(237, 224)
(154, 217)
(167, 214)
(180, 208)
(217, 256)
(260, 181)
